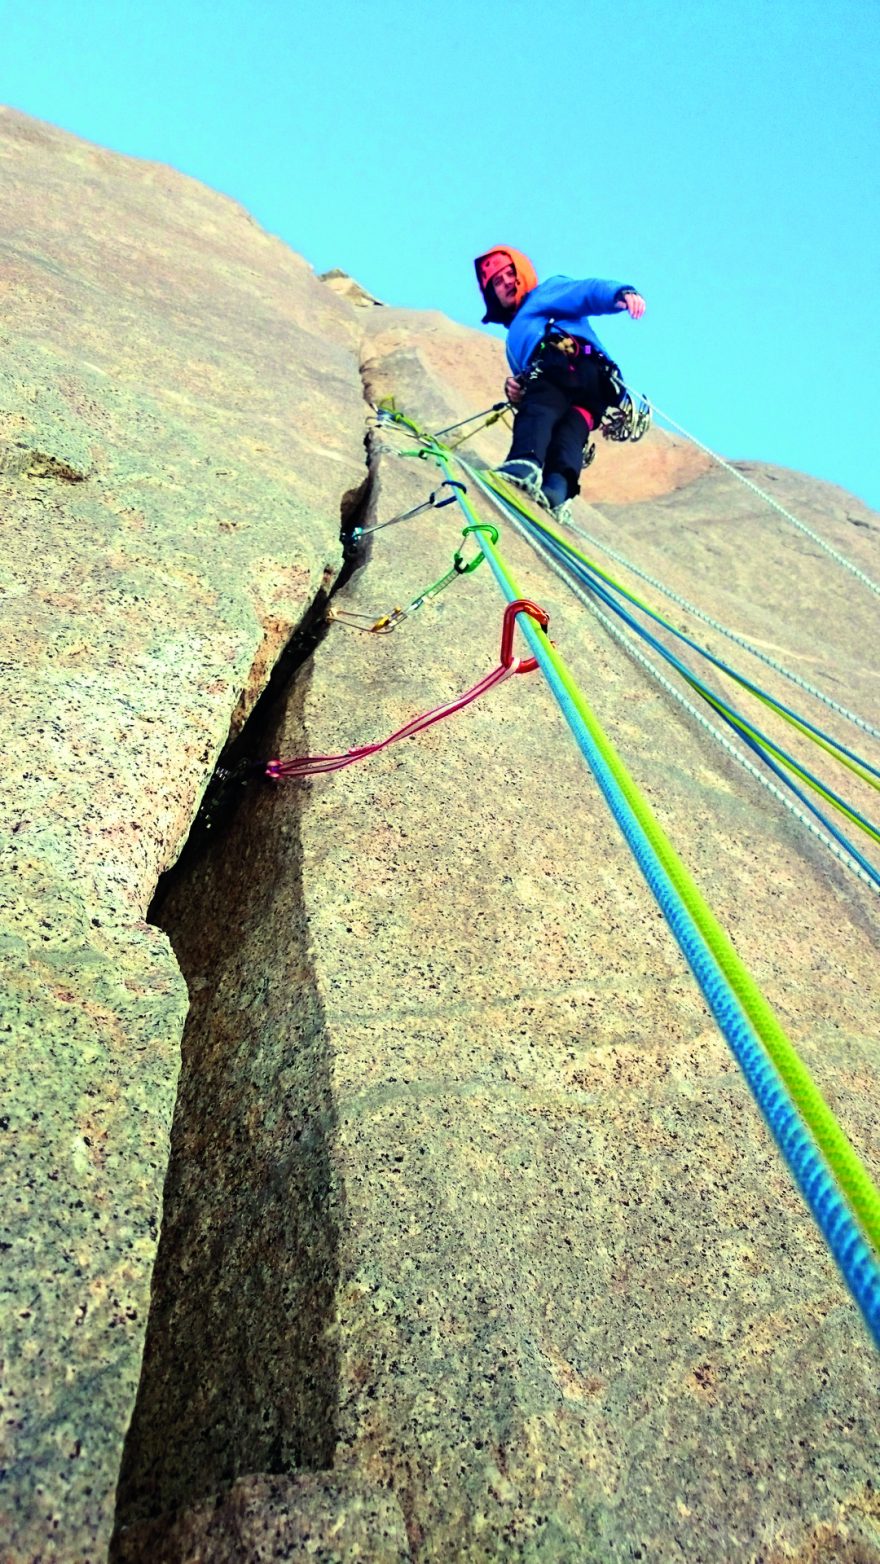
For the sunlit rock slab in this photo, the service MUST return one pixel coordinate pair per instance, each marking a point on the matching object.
(180, 425)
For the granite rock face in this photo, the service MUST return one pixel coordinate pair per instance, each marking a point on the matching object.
(180, 423)
(474, 1245)
(347, 288)
(535, 1265)
(306, 1519)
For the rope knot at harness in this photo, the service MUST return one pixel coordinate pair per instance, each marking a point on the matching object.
(508, 664)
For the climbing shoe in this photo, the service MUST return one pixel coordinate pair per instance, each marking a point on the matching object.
(555, 490)
(524, 473)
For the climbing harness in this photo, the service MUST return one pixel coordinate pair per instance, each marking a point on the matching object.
(826, 1168)
(628, 416)
(385, 623)
(508, 665)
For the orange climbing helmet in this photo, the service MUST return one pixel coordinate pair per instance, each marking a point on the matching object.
(488, 265)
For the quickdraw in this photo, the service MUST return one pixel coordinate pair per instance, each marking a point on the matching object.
(508, 665)
(432, 502)
(385, 623)
(490, 415)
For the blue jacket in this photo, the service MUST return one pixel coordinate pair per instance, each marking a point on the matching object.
(563, 299)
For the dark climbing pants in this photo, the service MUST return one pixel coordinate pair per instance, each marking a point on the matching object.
(562, 403)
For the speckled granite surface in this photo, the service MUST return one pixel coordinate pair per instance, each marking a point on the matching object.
(180, 419)
(471, 1236)
(579, 1311)
(307, 1519)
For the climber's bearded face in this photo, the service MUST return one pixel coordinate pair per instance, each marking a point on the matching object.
(505, 286)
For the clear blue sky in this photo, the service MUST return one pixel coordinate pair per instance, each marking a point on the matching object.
(724, 158)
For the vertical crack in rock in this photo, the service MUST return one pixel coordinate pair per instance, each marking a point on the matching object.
(240, 1365)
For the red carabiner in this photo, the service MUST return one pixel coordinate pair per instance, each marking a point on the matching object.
(522, 605)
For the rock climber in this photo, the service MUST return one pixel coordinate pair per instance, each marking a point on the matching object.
(562, 380)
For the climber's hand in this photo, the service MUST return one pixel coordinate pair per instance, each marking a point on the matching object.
(635, 304)
(513, 390)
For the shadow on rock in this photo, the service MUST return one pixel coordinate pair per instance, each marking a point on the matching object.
(240, 1370)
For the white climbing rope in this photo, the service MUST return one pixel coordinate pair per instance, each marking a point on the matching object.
(803, 684)
(732, 749)
(841, 559)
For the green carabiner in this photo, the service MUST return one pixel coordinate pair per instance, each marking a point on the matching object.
(460, 567)
(387, 408)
